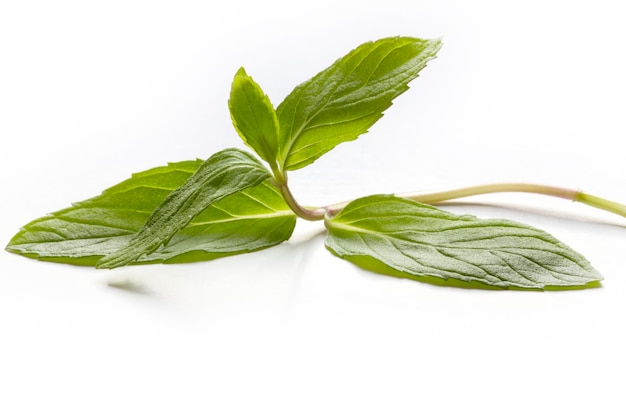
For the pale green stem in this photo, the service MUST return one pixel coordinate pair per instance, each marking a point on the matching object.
(560, 192)
(440, 196)
(601, 203)
(318, 213)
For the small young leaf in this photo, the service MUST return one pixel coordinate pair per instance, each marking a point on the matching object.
(224, 173)
(254, 117)
(252, 219)
(423, 241)
(343, 101)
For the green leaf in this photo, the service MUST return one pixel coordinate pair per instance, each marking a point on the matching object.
(343, 101)
(224, 173)
(422, 242)
(252, 219)
(254, 117)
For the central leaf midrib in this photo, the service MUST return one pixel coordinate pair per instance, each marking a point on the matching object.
(343, 226)
(557, 275)
(282, 213)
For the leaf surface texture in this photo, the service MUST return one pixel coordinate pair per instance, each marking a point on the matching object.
(248, 220)
(424, 241)
(343, 101)
(254, 117)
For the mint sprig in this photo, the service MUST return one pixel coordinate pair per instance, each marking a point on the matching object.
(231, 203)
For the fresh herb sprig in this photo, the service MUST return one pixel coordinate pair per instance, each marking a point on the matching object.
(233, 203)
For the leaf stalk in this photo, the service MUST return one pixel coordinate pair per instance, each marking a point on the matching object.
(453, 194)
(306, 213)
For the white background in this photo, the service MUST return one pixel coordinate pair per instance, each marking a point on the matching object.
(528, 91)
